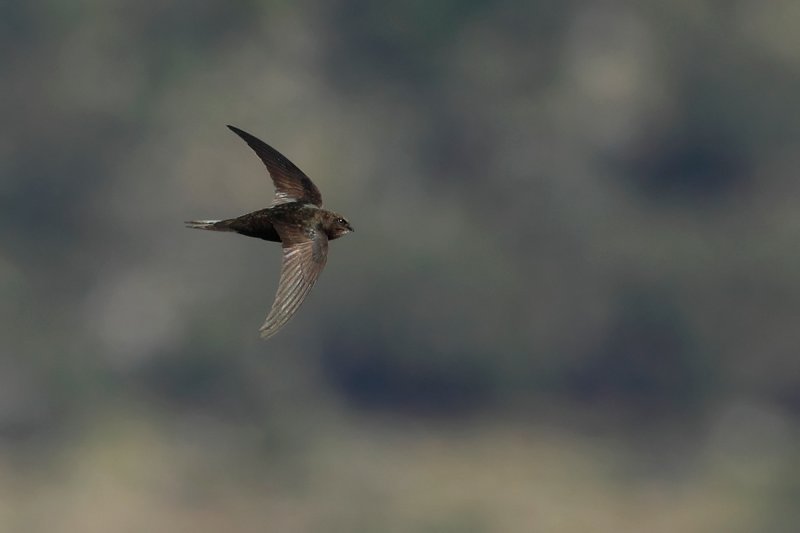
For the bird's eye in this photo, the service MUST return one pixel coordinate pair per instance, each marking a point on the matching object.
(342, 221)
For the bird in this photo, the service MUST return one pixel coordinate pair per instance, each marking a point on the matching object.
(297, 220)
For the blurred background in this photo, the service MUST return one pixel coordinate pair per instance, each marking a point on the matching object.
(571, 302)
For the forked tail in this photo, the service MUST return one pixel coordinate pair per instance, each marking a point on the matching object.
(212, 225)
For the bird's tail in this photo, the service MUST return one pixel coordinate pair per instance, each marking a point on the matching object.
(212, 225)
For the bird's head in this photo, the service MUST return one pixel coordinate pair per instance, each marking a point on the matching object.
(337, 226)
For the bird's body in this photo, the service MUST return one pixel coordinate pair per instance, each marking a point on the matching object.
(261, 224)
(297, 220)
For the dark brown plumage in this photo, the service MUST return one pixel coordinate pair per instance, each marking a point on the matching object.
(296, 220)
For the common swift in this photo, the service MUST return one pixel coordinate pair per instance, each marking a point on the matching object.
(297, 220)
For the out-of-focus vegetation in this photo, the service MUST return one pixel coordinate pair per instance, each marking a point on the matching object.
(571, 302)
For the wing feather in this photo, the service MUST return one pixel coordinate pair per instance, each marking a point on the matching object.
(291, 184)
(304, 257)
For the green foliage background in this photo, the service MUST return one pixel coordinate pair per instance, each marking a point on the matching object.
(571, 302)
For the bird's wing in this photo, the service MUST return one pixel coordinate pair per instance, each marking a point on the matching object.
(304, 255)
(291, 184)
